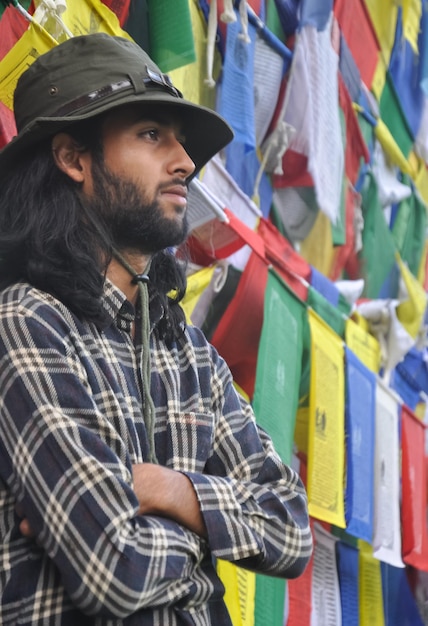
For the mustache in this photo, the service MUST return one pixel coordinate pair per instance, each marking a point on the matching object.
(171, 183)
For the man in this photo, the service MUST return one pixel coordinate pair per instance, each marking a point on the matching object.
(128, 462)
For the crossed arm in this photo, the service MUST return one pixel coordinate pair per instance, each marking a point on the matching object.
(129, 536)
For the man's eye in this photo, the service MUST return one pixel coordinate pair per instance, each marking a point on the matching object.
(150, 133)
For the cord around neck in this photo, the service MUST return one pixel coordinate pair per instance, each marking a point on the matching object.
(141, 280)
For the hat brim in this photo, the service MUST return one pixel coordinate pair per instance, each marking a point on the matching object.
(206, 133)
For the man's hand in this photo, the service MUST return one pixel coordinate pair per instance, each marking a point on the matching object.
(165, 492)
(24, 525)
(160, 491)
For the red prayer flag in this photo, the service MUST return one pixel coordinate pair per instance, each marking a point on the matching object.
(414, 493)
(300, 597)
(356, 148)
(12, 26)
(237, 335)
(120, 8)
(357, 28)
(292, 268)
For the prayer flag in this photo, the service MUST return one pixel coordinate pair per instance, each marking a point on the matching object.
(236, 102)
(408, 228)
(412, 13)
(315, 13)
(360, 445)
(414, 491)
(238, 343)
(345, 256)
(196, 284)
(399, 602)
(347, 568)
(91, 16)
(391, 112)
(356, 27)
(406, 74)
(356, 150)
(239, 592)
(317, 247)
(34, 42)
(411, 310)
(120, 8)
(287, 12)
(363, 344)
(326, 607)
(190, 78)
(325, 287)
(326, 453)
(327, 311)
(291, 266)
(387, 529)
(170, 47)
(137, 23)
(311, 107)
(370, 588)
(268, 71)
(270, 600)
(300, 598)
(378, 252)
(279, 364)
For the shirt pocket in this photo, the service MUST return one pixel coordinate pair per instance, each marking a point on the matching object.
(189, 441)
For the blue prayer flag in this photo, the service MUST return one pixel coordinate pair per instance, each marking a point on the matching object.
(360, 439)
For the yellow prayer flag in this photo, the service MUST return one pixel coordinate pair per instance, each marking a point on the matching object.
(190, 79)
(33, 43)
(391, 149)
(421, 178)
(363, 345)
(412, 12)
(383, 16)
(370, 588)
(422, 265)
(379, 78)
(317, 248)
(411, 312)
(91, 16)
(81, 17)
(196, 284)
(326, 447)
(240, 592)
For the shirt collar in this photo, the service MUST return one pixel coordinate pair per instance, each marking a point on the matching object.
(120, 311)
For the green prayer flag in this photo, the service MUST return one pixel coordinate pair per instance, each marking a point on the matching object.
(272, 20)
(171, 36)
(331, 315)
(338, 230)
(23, 3)
(378, 253)
(392, 115)
(279, 363)
(409, 228)
(269, 601)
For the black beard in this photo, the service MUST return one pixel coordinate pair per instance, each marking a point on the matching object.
(132, 222)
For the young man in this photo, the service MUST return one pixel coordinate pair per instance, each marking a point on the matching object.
(127, 460)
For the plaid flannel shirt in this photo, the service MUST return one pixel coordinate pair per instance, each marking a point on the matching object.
(72, 426)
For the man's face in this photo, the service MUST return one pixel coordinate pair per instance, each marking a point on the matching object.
(139, 186)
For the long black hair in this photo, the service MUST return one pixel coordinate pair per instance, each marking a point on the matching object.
(47, 239)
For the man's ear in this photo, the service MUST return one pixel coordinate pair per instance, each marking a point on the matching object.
(70, 158)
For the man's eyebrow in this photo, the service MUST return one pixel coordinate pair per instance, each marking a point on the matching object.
(159, 117)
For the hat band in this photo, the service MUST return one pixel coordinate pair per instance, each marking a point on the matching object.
(153, 80)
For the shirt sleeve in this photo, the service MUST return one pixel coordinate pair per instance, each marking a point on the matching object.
(57, 458)
(254, 506)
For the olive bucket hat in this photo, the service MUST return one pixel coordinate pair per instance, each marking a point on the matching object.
(91, 74)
